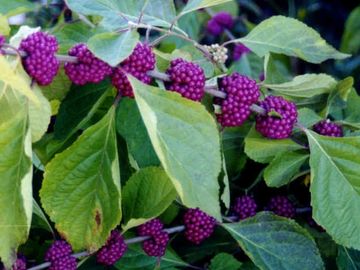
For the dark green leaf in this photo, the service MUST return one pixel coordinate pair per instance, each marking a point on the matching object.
(348, 259)
(224, 261)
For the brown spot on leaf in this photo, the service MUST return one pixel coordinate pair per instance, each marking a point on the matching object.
(98, 218)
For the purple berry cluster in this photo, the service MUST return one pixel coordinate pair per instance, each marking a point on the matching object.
(59, 255)
(88, 68)
(282, 206)
(40, 61)
(113, 250)
(187, 78)
(137, 64)
(198, 225)
(328, 128)
(279, 118)
(241, 93)
(2, 42)
(240, 50)
(244, 207)
(219, 22)
(156, 245)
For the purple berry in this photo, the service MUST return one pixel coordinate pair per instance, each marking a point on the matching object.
(64, 263)
(244, 207)
(240, 50)
(40, 62)
(20, 263)
(88, 68)
(58, 250)
(279, 118)
(137, 64)
(156, 245)
(198, 225)
(282, 206)
(113, 250)
(2, 42)
(241, 93)
(187, 78)
(219, 22)
(328, 128)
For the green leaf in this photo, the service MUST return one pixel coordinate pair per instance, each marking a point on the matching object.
(4, 26)
(305, 86)
(224, 261)
(136, 259)
(81, 187)
(308, 117)
(335, 186)
(130, 126)
(263, 150)
(39, 115)
(277, 243)
(348, 259)
(69, 34)
(41, 215)
(15, 172)
(193, 5)
(146, 195)
(106, 46)
(249, 64)
(116, 14)
(277, 68)
(11, 8)
(58, 88)
(283, 167)
(9, 78)
(79, 106)
(352, 110)
(186, 140)
(291, 37)
(350, 42)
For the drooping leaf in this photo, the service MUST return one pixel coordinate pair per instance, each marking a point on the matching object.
(146, 195)
(348, 259)
(130, 125)
(224, 261)
(291, 37)
(193, 5)
(305, 86)
(335, 186)
(276, 68)
(15, 170)
(283, 167)
(79, 106)
(81, 187)
(350, 42)
(263, 150)
(186, 140)
(276, 243)
(41, 215)
(113, 48)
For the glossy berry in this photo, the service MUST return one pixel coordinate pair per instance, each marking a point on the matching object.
(137, 64)
(20, 263)
(186, 78)
(88, 68)
(244, 207)
(40, 61)
(58, 250)
(198, 225)
(328, 128)
(279, 119)
(241, 93)
(64, 263)
(240, 50)
(156, 245)
(113, 250)
(282, 206)
(219, 22)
